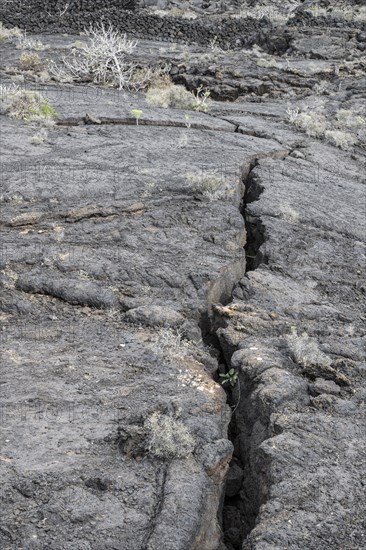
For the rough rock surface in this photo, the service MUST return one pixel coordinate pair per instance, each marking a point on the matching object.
(125, 293)
(299, 430)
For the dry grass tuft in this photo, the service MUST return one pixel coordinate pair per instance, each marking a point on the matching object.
(8, 33)
(167, 437)
(288, 213)
(31, 62)
(26, 43)
(164, 93)
(344, 130)
(26, 105)
(211, 185)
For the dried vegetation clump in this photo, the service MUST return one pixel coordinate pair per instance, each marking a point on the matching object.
(164, 93)
(211, 185)
(26, 105)
(344, 130)
(167, 437)
(30, 61)
(6, 33)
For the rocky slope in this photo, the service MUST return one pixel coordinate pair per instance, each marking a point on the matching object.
(126, 292)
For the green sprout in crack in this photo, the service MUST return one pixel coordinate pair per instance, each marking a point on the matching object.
(137, 114)
(231, 376)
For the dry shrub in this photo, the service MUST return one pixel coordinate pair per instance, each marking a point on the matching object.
(26, 105)
(8, 33)
(31, 62)
(167, 437)
(166, 94)
(211, 185)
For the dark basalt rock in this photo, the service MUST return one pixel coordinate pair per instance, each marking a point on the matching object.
(125, 293)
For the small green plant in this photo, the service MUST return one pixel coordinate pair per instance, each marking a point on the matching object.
(137, 114)
(187, 56)
(187, 119)
(229, 377)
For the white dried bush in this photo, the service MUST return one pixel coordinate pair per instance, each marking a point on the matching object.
(214, 46)
(321, 87)
(305, 350)
(273, 13)
(292, 114)
(171, 342)
(167, 437)
(101, 61)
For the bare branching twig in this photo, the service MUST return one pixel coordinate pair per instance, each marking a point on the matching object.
(101, 61)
